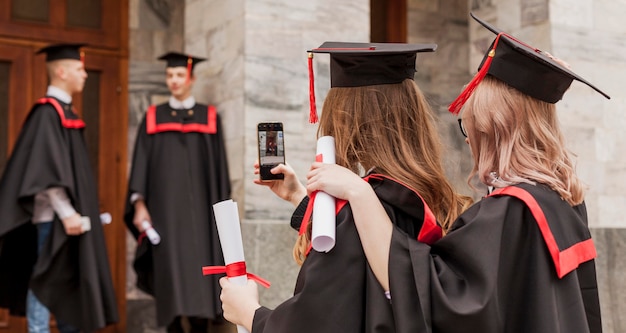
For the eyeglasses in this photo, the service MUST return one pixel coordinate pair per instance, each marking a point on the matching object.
(462, 128)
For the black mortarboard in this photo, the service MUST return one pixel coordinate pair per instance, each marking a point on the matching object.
(62, 51)
(175, 59)
(525, 68)
(367, 64)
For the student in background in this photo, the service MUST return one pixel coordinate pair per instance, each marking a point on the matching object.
(179, 170)
(53, 256)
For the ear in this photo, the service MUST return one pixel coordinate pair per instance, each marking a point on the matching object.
(60, 71)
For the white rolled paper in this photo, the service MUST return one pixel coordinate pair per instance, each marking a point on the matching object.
(229, 231)
(105, 218)
(324, 226)
(151, 233)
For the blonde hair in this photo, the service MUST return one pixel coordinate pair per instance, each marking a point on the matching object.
(518, 137)
(390, 128)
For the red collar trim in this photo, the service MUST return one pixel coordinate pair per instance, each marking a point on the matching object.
(429, 233)
(209, 128)
(564, 261)
(67, 123)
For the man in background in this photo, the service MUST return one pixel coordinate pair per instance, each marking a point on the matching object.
(53, 255)
(179, 170)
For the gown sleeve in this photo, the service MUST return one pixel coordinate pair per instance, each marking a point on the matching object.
(137, 182)
(337, 291)
(40, 160)
(491, 273)
(329, 290)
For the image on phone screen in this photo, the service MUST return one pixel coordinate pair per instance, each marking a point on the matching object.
(271, 149)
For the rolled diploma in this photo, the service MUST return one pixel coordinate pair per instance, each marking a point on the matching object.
(105, 218)
(153, 235)
(229, 231)
(323, 232)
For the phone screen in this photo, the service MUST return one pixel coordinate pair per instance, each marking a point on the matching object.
(271, 148)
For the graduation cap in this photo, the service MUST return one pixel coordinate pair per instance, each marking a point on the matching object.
(523, 67)
(366, 64)
(63, 51)
(175, 59)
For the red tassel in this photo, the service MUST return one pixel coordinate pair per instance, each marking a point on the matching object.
(456, 106)
(313, 109)
(189, 63)
(82, 57)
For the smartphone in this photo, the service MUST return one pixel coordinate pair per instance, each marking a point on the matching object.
(271, 142)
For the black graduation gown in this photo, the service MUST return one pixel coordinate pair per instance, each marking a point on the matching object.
(493, 271)
(337, 291)
(71, 277)
(181, 171)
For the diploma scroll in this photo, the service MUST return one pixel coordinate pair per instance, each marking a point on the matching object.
(151, 233)
(324, 225)
(106, 218)
(229, 230)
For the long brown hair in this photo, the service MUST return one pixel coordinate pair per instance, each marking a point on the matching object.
(390, 128)
(519, 138)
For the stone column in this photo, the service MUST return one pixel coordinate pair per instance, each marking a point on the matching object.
(442, 74)
(257, 71)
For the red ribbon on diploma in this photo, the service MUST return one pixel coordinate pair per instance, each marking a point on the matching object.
(233, 270)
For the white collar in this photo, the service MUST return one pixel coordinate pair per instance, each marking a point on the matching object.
(188, 103)
(59, 94)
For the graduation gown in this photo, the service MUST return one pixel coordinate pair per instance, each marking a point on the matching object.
(71, 277)
(337, 291)
(502, 268)
(179, 167)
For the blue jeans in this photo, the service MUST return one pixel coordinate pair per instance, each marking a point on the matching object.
(37, 315)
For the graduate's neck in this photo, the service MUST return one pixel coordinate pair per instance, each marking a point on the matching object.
(61, 85)
(186, 103)
(59, 93)
(182, 97)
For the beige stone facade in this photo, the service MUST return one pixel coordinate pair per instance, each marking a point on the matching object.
(257, 71)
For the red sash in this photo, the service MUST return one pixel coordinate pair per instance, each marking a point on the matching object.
(209, 128)
(566, 260)
(67, 123)
(429, 233)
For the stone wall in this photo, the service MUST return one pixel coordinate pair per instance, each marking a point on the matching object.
(442, 74)
(590, 36)
(257, 71)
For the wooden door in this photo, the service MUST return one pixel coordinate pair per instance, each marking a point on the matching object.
(388, 21)
(15, 100)
(26, 26)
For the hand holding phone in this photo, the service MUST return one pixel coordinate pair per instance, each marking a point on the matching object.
(271, 148)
